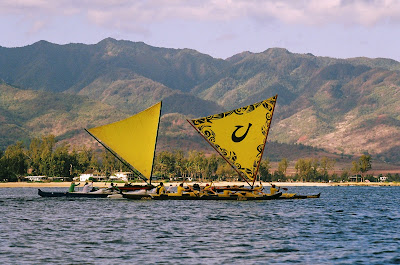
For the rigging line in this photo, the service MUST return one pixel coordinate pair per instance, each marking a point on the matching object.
(120, 159)
(155, 144)
(240, 173)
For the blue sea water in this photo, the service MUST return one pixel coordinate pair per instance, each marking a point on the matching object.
(346, 225)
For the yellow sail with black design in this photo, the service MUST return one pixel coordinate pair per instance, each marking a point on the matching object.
(133, 139)
(240, 135)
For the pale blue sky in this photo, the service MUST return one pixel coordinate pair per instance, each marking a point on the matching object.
(220, 28)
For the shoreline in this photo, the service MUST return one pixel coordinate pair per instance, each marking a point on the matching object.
(221, 183)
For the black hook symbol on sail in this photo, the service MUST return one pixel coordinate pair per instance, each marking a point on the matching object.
(239, 139)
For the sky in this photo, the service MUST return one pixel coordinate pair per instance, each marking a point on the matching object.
(220, 28)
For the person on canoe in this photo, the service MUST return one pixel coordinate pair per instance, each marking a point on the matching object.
(91, 188)
(113, 188)
(160, 188)
(274, 189)
(180, 189)
(72, 187)
(169, 190)
(86, 188)
(208, 190)
(258, 190)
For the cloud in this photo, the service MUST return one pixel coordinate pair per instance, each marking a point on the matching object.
(136, 16)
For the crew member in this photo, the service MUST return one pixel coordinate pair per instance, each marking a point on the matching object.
(160, 188)
(180, 189)
(208, 190)
(86, 188)
(72, 187)
(274, 189)
(257, 190)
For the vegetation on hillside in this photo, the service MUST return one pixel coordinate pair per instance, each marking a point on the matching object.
(347, 106)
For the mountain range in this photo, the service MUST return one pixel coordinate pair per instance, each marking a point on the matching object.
(343, 106)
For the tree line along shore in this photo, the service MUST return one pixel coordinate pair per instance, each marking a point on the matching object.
(44, 156)
(66, 184)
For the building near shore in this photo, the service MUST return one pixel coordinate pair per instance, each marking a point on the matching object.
(125, 176)
(92, 175)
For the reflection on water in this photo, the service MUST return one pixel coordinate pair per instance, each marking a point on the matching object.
(347, 225)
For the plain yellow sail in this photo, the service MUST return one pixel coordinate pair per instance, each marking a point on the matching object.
(240, 135)
(133, 139)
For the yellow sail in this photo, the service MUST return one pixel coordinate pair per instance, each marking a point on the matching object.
(133, 139)
(240, 135)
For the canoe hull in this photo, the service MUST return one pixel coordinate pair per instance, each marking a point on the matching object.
(299, 197)
(216, 197)
(136, 196)
(136, 187)
(72, 194)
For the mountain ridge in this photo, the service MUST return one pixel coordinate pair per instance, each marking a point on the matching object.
(341, 105)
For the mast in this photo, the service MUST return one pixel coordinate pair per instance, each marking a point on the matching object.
(265, 142)
(155, 144)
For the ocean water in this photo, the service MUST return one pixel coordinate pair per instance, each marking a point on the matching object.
(346, 225)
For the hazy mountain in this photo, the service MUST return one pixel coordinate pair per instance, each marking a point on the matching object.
(342, 105)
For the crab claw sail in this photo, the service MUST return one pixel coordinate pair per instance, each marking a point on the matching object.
(133, 139)
(239, 135)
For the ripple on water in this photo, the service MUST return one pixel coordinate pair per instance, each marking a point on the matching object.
(347, 225)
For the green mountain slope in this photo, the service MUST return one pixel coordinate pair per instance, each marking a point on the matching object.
(342, 105)
(29, 113)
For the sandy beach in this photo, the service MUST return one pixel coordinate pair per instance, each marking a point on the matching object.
(223, 183)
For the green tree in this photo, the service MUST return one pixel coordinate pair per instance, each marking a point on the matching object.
(362, 166)
(263, 170)
(14, 162)
(61, 161)
(344, 176)
(199, 163)
(165, 164)
(40, 154)
(82, 160)
(355, 169)
(3, 170)
(225, 171)
(283, 165)
(365, 165)
(212, 166)
(314, 175)
(304, 168)
(325, 165)
(108, 163)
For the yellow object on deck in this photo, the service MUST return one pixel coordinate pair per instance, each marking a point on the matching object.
(288, 195)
